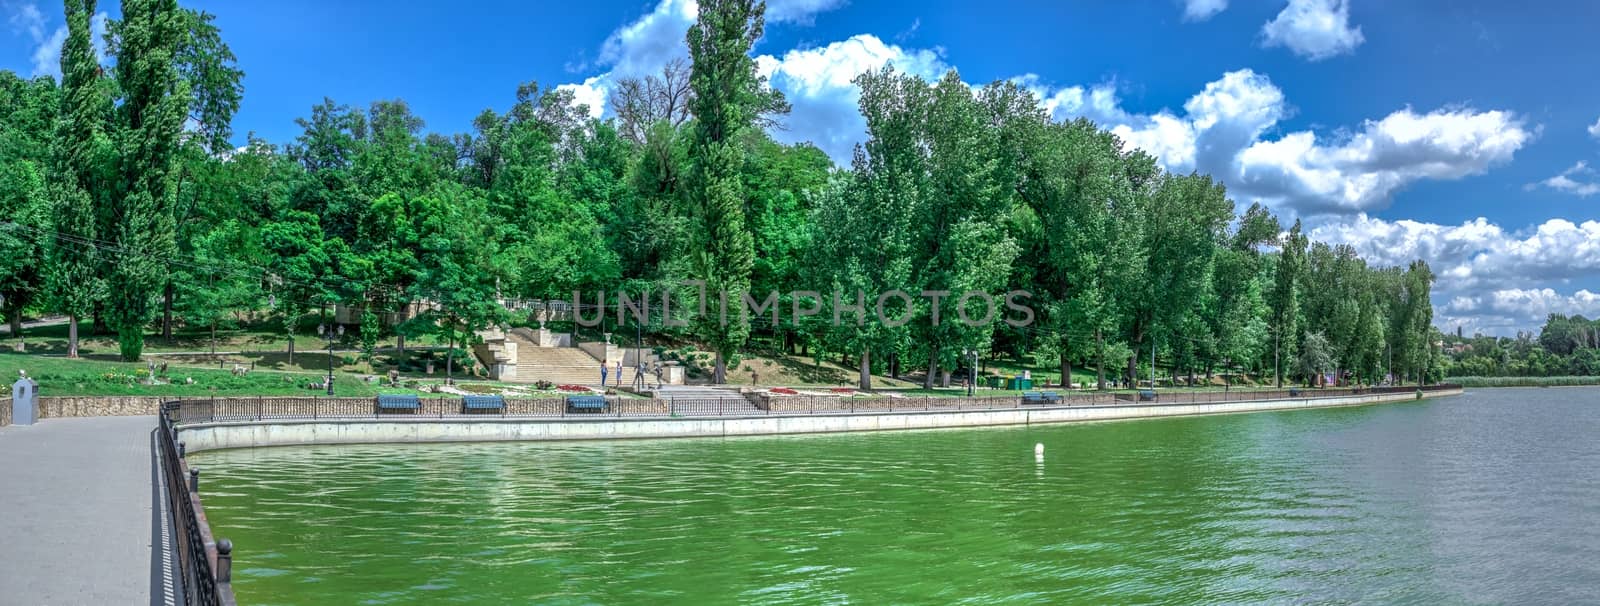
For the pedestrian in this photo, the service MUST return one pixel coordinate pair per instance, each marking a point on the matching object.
(619, 373)
(603, 374)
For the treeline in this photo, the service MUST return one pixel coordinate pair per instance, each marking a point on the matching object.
(116, 211)
(1566, 346)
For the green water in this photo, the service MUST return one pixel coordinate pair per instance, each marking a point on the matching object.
(1491, 497)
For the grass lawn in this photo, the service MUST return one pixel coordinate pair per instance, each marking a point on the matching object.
(58, 376)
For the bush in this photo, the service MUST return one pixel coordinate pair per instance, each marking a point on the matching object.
(1561, 381)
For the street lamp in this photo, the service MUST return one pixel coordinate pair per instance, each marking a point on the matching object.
(331, 336)
(972, 369)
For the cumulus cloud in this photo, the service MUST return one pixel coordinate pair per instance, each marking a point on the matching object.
(1226, 130)
(799, 11)
(1313, 29)
(1200, 10)
(1482, 268)
(1578, 181)
(1594, 129)
(642, 47)
(818, 84)
(46, 55)
(1476, 255)
(1505, 312)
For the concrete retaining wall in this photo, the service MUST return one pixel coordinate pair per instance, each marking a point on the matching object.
(212, 436)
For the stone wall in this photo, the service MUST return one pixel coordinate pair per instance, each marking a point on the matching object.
(211, 436)
(5, 412)
(102, 406)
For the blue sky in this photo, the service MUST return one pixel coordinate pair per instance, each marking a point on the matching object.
(1460, 132)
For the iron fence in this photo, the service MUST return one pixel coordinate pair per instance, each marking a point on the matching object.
(246, 409)
(204, 566)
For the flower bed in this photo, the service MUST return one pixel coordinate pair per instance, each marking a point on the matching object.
(783, 391)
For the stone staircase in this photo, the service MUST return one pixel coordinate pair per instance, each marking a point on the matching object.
(562, 365)
(725, 401)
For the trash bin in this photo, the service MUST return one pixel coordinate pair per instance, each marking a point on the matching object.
(1024, 383)
(24, 401)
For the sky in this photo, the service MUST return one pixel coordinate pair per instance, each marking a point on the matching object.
(1465, 133)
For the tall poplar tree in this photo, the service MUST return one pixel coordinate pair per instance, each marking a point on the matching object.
(150, 119)
(82, 154)
(728, 97)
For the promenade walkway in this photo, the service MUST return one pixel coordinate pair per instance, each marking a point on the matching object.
(78, 512)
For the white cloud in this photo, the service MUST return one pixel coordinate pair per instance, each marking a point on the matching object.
(1200, 10)
(1578, 181)
(1594, 129)
(1313, 29)
(1476, 254)
(1484, 272)
(799, 11)
(818, 84)
(1363, 171)
(1504, 312)
(27, 18)
(1226, 129)
(46, 55)
(646, 45)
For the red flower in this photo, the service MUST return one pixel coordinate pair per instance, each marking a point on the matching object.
(785, 391)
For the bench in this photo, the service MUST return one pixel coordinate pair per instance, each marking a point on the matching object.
(1148, 395)
(483, 404)
(586, 403)
(399, 404)
(1040, 398)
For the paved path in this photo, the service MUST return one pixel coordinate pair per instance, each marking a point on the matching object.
(76, 521)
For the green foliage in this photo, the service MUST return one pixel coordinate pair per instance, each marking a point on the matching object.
(424, 235)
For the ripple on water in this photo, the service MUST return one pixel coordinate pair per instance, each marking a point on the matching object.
(1485, 498)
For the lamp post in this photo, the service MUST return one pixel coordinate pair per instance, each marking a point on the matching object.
(331, 336)
(971, 355)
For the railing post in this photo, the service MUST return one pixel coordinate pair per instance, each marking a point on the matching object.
(181, 448)
(224, 561)
(194, 479)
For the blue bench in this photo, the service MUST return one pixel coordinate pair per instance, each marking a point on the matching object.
(399, 403)
(483, 404)
(1040, 398)
(1148, 395)
(586, 403)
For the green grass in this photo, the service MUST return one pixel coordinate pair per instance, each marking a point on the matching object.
(1564, 381)
(59, 376)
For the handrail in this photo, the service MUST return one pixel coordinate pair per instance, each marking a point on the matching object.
(205, 566)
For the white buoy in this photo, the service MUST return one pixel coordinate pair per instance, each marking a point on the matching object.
(1038, 449)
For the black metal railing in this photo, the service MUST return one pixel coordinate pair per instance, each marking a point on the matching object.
(247, 409)
(204, 566)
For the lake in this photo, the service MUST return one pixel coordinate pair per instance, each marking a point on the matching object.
(1488, 497)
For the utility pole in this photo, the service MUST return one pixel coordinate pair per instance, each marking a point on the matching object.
(1152, 363)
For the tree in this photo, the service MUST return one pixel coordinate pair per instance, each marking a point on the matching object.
(1316, 358)
(150, 118)
(1284, 301)
(82, 175)
(728, 97)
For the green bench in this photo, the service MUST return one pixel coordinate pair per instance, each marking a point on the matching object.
(407, 403)
(586, 403)
(483, 404)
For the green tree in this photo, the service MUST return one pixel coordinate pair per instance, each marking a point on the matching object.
(728, 97)
(154, 104)
(1284, 302)
(82, 175)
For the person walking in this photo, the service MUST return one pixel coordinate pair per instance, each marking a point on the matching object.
(619, 373)
(603, 368)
